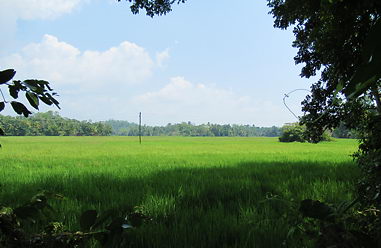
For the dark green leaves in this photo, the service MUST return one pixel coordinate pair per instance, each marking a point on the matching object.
(26, 212)
(153, 7)
(20, 108)
(6, 75)
(36, 207)
(35, 90)
(14, 91)
(88, 219)
(372, 43)
(32, 99)
(55, 234)
(369, 72)
(116, 225)
(316, 210)
(37, 86)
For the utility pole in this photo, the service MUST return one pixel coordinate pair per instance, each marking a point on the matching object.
(140, 127)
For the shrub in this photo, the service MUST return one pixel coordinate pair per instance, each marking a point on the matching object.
(292, 132)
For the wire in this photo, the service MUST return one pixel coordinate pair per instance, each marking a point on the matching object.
(288, 95)
(3, 96)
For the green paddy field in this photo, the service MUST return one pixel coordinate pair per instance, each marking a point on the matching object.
(199, 192)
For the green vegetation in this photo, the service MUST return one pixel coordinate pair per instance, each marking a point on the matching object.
(34, 91)
(199, 192)
(51, 124)
(341, 41)
(125, 128)
(295, 132)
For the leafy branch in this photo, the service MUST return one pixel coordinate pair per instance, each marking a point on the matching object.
(105, 228)
(153, 7)
(36, 91)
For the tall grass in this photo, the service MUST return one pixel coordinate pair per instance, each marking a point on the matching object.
(200, 192)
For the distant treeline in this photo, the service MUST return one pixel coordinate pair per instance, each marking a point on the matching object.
(125, 128)
(51, 124)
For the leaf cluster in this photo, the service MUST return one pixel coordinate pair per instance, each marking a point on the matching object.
(338, 226)
(293, 132)
(107, 228)
(34, 90)
(317, 224)
(297, 132)
(153, 7)
(342, 41)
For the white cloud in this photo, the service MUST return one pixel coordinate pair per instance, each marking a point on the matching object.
(91, 84)
(13, 10)
(38, 9)
(181, 100)
(66, 65)
(100, 85)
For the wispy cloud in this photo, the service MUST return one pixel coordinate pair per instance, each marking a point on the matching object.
(39, 9)
(13, 10)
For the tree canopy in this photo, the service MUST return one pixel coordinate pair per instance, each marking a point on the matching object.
(341, 41)
(153, 7)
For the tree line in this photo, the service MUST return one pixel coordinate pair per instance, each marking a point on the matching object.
(125, 128)
(51, 124)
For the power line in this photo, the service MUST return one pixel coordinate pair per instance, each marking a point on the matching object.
(288, 95)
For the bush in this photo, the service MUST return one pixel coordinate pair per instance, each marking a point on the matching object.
(294, 132)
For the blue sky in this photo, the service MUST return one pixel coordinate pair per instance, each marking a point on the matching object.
(206, 61)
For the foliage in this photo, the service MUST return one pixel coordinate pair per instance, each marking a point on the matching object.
(35, 91)
(342, 131)
(153, 7)
(342, 40)
(369, 160)
(332, 38)
(317, 224)
(109, 231)
(52, 124)
(341, 226)
(124, 128)
(295, 132)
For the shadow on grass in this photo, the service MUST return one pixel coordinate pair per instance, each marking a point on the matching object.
(200, 207)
